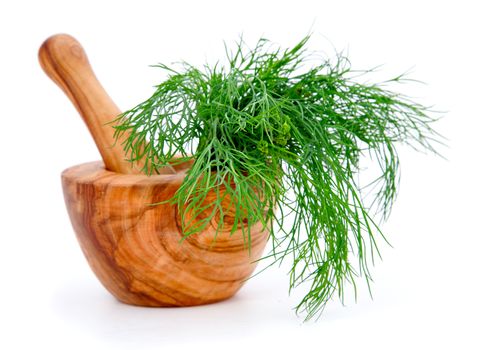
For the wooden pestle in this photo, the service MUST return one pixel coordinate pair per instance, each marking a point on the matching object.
(63, 59)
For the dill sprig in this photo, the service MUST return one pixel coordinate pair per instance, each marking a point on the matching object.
(278, 143)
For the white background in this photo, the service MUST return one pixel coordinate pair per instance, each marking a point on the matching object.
(435, 290)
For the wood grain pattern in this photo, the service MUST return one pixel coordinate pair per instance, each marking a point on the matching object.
(65, 62)
(134, 248)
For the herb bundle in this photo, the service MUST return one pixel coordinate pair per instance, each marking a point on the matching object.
(278, 143)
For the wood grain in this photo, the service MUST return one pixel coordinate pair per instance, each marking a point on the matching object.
(134, 248)
(63, 59)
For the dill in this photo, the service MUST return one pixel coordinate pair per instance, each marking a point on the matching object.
(278, 143)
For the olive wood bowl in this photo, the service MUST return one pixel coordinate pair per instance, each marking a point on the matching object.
(136, 249)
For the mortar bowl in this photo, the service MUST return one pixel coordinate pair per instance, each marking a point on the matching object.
(135, 249)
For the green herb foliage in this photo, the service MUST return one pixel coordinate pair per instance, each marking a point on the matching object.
(281, 144)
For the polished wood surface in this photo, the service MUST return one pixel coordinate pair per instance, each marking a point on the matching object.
(135, 249)
(65, 62)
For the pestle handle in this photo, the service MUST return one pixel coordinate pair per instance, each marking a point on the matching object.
(63, 59)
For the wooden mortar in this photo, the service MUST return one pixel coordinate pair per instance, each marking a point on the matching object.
(133, 247)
